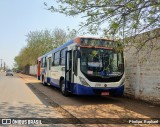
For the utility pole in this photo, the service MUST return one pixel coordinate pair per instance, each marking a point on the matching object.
(1, 63)
(4, 66)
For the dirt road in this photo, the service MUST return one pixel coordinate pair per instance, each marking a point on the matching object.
(96, 106)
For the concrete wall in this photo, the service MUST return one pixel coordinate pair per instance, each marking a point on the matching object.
(143, 77)
(33, 70)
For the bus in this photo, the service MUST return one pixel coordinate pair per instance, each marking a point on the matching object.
(84, 66)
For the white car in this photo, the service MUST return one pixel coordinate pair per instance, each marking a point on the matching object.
(9, 73)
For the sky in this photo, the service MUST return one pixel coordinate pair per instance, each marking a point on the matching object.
(19, 17)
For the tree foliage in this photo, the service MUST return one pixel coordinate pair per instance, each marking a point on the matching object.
(39, 43)
(122, 18)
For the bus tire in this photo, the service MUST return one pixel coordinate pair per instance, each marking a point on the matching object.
(62, 88)
(43, 81)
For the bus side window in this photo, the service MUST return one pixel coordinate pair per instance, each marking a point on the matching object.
(45, 62)
(42, 62)
(62, 56)
(53, 60)
(49, 63)
(56, 58)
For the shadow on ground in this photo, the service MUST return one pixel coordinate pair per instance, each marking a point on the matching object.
(95, 106)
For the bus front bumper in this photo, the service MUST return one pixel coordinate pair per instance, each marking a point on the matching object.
(79, 89)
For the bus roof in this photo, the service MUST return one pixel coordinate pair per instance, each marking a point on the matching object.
(75, 40)
(57, 49)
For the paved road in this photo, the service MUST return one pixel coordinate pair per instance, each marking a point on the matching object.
(17, 100)
(13, 90)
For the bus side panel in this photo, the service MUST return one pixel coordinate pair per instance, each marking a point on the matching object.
(82, 90)
(48, 79)
(54, 84)
(55, 75)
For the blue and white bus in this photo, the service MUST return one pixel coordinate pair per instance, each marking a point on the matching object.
(84, 66)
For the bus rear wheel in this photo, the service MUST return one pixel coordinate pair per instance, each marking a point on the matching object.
(43, 81)
(63, 89)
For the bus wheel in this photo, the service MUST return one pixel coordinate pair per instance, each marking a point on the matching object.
(43, 81)
(63, 90)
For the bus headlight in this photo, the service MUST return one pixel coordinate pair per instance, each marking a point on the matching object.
(83, 81)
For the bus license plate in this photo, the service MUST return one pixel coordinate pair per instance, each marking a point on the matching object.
(105, 93)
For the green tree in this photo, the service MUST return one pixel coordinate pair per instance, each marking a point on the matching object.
(122, 18)
(39, 43)
(60, 36)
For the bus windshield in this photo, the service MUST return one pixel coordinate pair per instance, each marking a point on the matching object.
(101, 62)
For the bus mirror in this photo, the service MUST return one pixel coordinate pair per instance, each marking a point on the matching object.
(78, 54)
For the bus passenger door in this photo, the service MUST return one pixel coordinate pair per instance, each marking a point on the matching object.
(38, 69)
(68, 70)
(49, 63)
